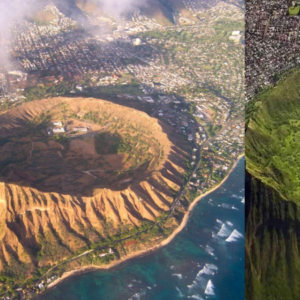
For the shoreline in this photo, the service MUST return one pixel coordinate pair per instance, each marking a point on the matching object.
(154, 248)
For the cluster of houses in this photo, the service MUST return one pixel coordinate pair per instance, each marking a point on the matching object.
(193, 65)
(43, 284)
(217, 157)
(102, 254)
(272, 40)
(104, 63)
(3, 87)
(7, 80)
(71, 52)
(197, 7)
(58, 128)
(36, 57)
(74, 54)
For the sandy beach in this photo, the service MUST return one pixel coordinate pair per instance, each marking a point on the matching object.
(161, 244)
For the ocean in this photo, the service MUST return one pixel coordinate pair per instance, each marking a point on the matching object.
(204, 261)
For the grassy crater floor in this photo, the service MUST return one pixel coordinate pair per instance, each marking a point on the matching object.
(273, 136)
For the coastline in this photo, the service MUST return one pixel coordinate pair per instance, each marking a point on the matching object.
(154, 248)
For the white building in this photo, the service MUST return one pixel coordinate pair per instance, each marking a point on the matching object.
(110, 251)
(148, 99)
(83, 129)
(136, 42)
(236, 33)
(58, 130)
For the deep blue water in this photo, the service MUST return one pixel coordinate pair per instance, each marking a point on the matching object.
(183, 269)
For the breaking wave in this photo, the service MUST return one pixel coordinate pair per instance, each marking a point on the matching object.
(177, 275)
(179, 292)
(234, 236)
(228, 206)
(209, 290)
(208, 269)
(209, 250)
(224, 231)
(200, 282)
(137, 296)
(229, 223)
(224, 205)
(195, 297)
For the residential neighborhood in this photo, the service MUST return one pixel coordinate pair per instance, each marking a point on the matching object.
(188, 74)
(169, 68)
(272, 44)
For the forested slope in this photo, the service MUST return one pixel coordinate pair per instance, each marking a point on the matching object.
(272, 244)
(273, 137)
(273, 192)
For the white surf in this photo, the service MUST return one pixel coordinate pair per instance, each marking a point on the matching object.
(209, 288)
(224, 231)
(234, 236)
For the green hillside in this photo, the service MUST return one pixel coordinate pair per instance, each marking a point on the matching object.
(273, 137)
(273, 170)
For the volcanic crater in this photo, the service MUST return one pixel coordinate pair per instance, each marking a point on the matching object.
(78, 146)
(68, 165)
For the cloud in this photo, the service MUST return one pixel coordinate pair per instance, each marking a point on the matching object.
(117, 8)
(14, 10)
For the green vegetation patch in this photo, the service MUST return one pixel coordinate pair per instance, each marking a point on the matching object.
(294, 10)
(180, 36)
(107, 143)
(225, 25)
(273, 137)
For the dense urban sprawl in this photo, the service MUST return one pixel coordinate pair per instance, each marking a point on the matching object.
(272, 43)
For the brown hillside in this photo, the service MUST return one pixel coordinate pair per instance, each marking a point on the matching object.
(55, 196)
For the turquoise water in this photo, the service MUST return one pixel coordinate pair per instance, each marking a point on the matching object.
(198, 264)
